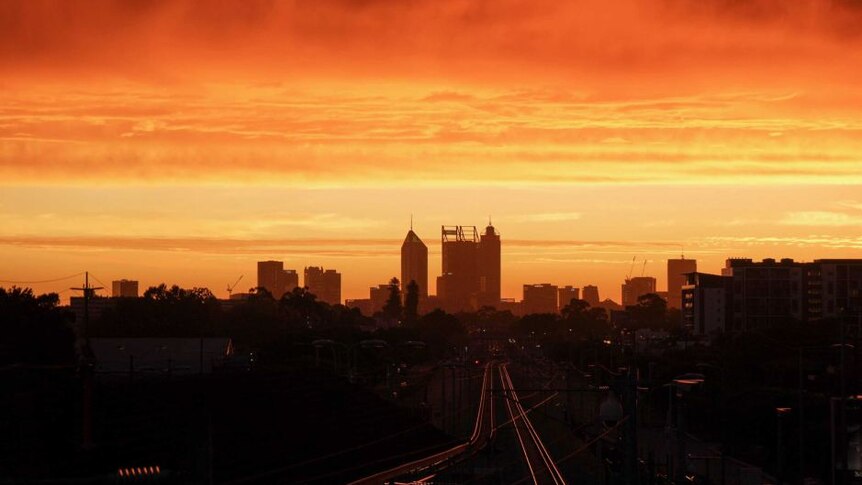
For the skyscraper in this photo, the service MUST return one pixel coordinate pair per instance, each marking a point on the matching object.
(566, 294)
(272, 276)
(489, 267)
(414, 264)
(540, 298)
(124, 288)
(458, 285)
(325, 284)
(676, 269)
(635, 288)
(471, 268)
(591, 295)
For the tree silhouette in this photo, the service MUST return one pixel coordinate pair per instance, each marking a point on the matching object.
(393, 309)
(34, 329)
(411, 303)
(650, 312)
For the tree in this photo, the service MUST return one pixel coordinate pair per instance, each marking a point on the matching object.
(576, 310)
(650, 312)
(411, 303)
(393, 309)
(34, 329)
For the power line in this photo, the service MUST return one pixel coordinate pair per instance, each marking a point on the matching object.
(42, 281)
(98, 280)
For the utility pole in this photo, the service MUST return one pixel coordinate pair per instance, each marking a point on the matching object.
(86, 365)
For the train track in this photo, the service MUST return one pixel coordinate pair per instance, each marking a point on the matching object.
(543, 469)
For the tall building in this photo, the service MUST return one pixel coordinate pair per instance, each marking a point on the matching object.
(414, 264)
(489, 268)
(458, 285)
(591, 295)
(272, 276)
(676, 271)
(325, 284)
(565, 295)
(540, 298)
(470, 276)
(124, 289)
(636, 287)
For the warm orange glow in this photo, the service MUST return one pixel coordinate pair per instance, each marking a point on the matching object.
(181, 141)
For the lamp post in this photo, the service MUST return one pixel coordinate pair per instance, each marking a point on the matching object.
(779, 450)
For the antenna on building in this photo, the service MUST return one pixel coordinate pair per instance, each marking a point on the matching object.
(489, 220)
(681, 251)
(411, 221)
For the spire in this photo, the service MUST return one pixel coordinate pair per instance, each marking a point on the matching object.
(411, 221)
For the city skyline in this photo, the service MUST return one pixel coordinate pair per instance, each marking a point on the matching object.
(727, 128)
(634, 228)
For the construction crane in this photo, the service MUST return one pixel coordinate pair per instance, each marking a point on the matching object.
(643, 270)
(631, 268)
(231, 287)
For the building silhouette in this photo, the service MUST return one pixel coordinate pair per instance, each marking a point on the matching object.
(772, 293)
(489, 267)
(124, 289)
(591, 295)
(378, 297)
(565, 295)
(705, 307)
(541, 298)
(414, 264)
(361, 304)
(470, 276)
(676, 271)
(325, 284)
(636, 287)
(272, 276)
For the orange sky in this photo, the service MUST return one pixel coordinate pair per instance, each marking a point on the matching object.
(181, 141)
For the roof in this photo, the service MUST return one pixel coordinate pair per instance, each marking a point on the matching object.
(412, 238)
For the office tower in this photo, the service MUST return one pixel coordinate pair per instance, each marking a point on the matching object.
(470, 276)
(635, 288)
(539, 299)
(591, 295)
(489, 267)
(414, 264)
(124, 289)
(565, 295)
(379, 295)
(458, 285)
(676, 270)
(272, 276)
(324, 284)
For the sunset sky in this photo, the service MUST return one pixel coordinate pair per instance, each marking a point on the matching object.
(181, 141)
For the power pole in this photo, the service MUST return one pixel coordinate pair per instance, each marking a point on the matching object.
(86, 365)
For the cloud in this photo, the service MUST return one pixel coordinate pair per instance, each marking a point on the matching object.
(549, 217)
(821, 219)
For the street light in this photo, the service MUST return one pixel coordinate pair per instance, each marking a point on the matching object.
(779, 451)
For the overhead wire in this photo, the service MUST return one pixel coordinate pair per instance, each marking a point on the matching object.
(16, 282)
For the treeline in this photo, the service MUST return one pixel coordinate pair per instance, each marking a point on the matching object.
(35, 329)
